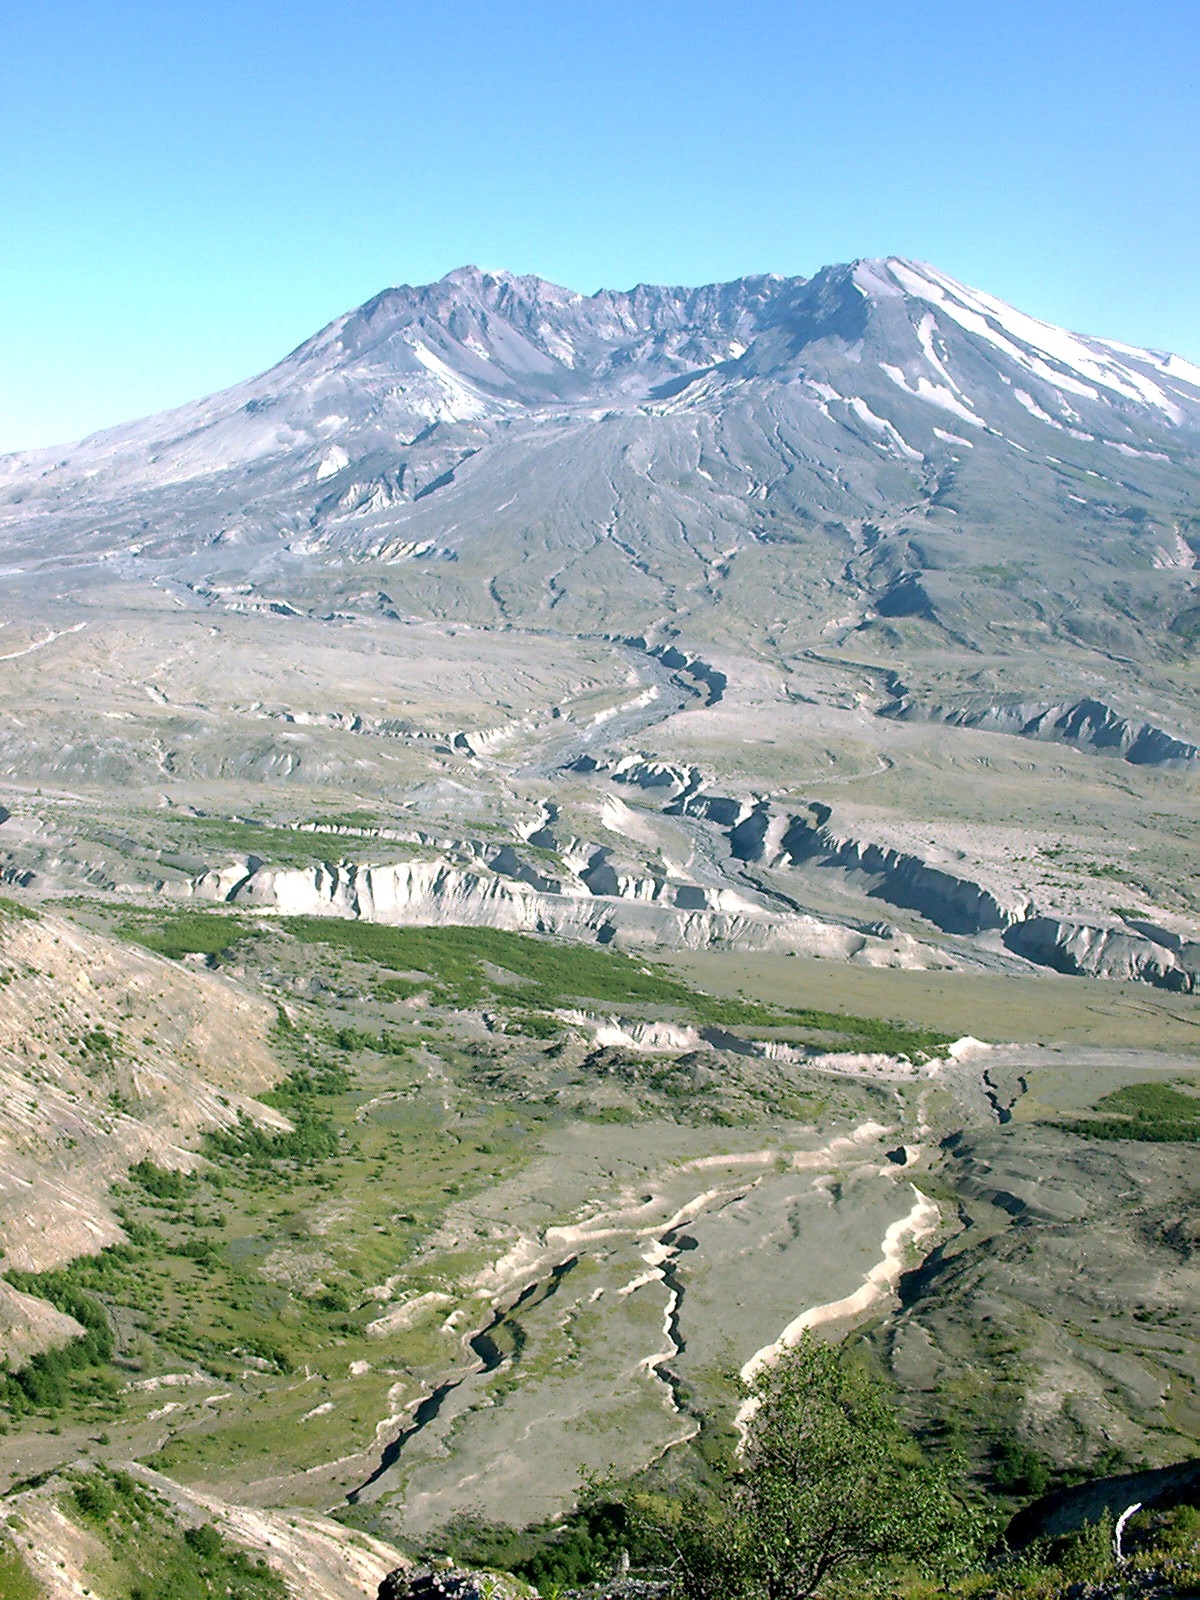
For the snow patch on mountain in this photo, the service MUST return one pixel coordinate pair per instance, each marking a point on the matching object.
(881, 425)
(936, 394)
(1082, 364)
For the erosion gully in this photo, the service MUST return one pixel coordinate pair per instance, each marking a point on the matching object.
(487, 1345)
(503, 1339)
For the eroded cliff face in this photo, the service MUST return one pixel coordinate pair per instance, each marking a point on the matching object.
(1088, 724)
(629, 909)
(591, 895)
(952, 899)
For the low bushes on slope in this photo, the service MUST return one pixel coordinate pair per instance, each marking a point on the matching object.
(153, 1558)
(1154, 1112)
(550, 974)
(45, 1381)
(547, 974)
(182, 933)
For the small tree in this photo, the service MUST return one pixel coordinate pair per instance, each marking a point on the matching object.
(830, 1490)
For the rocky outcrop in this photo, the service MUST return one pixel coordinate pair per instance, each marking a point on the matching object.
(1086, 723)
(450, 1585)
(761, 835)
(590, 894)
(710, 681)
(29, 1324)
(1078, 1505)
(1106, 952)
(674, 1038)
(646, 772)
(438, 893)
(315, 1557)
(953, 903)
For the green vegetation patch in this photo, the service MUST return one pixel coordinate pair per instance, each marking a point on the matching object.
(382, 1044)
(207, 933)
(163, 1183)
(51, 1378)
(584, 1547)
(552, 974)
(455, 957)
(265, 1257)
(311, 1138)
(153, 1558)
(281, 846)
(1154, 1102)
(1156, 1113)
(16, 1581)
(14, 911)
(347, 819)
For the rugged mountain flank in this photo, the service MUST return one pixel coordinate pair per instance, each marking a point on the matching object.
(478, 544)
(878, 432)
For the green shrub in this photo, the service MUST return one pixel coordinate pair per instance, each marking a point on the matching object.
(583, 1547)
(304, 1085)
(312, 1138)
(163, 1183)
(383, 1044)
(1019, 1470)
(830, 1495)
(1154, 1113)
(207, 933)
(533, 1025)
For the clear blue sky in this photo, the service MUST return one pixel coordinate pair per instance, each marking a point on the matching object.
(188, 188)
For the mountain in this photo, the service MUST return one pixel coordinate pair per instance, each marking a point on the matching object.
(839, 510)
(878, 432)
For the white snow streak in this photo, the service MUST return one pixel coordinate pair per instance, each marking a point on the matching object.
(1033, 408)
(991, 319)
(463, 400)
(881, 425)
(333, 463)
(937, 394)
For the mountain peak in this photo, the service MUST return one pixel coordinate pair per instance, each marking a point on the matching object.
(473, 277)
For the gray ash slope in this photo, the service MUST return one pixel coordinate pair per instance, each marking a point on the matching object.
(877, 453)
(506, 418)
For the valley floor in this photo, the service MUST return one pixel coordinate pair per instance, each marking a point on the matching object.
(412, 1110)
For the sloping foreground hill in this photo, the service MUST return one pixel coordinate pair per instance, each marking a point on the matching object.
(111, 1056)
(95, 1531)
(108, 1056)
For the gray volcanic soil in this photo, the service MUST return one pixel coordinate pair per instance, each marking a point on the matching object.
(1067, 1309)
(882, 590)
